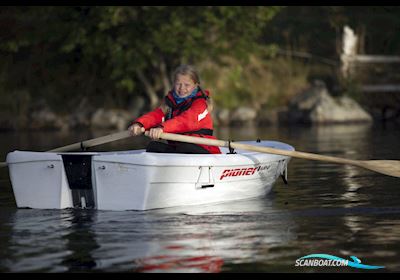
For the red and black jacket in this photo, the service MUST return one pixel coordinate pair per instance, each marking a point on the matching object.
(190, 117)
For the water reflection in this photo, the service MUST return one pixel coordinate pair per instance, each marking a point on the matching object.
(80, 241)
(248, 132)
(192, 239)
(184, 239)
(36, 241)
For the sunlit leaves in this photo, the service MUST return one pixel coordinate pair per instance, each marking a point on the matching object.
(114, 42)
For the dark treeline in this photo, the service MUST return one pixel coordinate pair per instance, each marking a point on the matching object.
(66, 58)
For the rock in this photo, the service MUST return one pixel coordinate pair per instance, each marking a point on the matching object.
(47, 119)
(317, 106)
(351, 110)
(80, 119)
(221, 116)
(243, 115)
(111, 119)
(270, 116)
(81, 116)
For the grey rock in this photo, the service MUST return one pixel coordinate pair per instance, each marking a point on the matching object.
(111, 119)
(317, 106)
(243, 115)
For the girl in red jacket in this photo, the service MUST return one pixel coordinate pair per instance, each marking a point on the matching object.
(184, 110)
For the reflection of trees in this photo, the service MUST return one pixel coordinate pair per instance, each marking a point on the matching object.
(346, 141)
(375, 233)
(349, 141)
(337, 206)
(6, 249)
(342, 140)
(237, 133)
(51, 241)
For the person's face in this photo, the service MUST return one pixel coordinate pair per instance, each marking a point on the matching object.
(184, 85)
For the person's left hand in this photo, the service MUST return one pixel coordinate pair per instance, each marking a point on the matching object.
(155, 133)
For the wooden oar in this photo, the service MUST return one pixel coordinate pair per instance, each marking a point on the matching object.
(387, 167)
(93, 142)
(88, 143)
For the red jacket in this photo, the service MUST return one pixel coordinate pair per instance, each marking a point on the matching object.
(190, 117)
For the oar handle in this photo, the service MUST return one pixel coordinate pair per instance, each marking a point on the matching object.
(192, 139)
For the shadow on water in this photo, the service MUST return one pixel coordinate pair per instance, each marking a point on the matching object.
(326, 208)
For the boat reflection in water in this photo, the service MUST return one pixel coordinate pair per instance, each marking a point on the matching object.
(202, 238)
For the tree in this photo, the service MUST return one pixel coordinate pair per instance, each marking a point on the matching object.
(123, 50)
(144, 44)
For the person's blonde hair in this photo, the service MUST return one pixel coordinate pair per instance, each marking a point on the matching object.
(187, 70)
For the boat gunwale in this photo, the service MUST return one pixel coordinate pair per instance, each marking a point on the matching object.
(97, 156)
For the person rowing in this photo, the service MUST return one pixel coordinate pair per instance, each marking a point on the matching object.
(186, 109)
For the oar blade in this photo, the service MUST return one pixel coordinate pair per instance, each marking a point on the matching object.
(387, 167)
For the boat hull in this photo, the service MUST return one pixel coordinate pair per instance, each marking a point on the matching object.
(137, 180)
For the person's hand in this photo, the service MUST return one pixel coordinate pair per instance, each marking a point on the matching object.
(136, 129)
(155, 133)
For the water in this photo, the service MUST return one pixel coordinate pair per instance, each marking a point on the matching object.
(326, 208)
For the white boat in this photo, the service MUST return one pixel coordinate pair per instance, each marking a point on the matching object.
(138, 180)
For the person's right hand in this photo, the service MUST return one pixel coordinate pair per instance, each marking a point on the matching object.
(136, 129)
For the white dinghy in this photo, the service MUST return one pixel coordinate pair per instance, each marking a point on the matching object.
(137, 180)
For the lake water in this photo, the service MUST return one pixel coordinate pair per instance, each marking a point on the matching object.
(325, 209)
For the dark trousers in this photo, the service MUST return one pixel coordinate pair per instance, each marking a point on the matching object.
(176, 147)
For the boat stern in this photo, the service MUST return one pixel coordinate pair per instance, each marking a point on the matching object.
(38, 180)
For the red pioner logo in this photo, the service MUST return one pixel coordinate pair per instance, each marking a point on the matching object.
(241, 171)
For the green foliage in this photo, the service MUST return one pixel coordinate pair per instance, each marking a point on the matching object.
(94, 52)
(259, 83)
(234, 89)
(109, 55)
